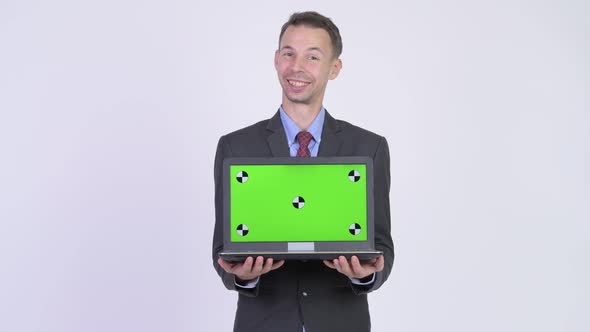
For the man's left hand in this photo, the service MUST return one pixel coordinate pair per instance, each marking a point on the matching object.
(355, 268)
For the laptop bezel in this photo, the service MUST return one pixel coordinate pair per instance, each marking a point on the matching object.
(297, 246)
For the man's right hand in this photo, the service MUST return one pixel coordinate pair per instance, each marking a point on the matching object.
(250, 269)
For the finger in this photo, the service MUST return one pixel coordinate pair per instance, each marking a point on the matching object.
(246, 266)
(337, 266)
(272, 265)
(278, 264)
(266, 266)
(356, 267)
(344, 266)
(334, 264)
(380, 264)
(226, 266)
(258, 265)
(329, 264)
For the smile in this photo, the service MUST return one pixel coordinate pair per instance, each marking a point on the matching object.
(297, 83)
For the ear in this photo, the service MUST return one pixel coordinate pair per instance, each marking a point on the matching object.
(335, 69)
(277, 60)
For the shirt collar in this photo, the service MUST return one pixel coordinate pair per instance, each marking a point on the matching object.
(291, 129)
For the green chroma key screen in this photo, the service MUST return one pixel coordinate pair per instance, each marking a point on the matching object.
(301, 202)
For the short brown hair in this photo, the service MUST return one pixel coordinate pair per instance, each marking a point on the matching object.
(316, 20)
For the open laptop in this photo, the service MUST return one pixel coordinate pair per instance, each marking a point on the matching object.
(298, 208)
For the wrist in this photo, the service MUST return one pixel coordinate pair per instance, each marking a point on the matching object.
(241, 281)
(246, 283)
(366, 279)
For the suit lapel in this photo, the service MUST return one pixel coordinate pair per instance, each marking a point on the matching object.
(279, 147)
(331, 142)
(277, 140)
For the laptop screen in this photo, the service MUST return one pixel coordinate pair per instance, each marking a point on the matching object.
(299, 200)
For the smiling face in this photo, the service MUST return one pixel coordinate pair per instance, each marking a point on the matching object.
(304, 64)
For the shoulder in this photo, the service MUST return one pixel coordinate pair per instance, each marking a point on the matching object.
(350, 132)
(250, 141)
(358, 132)
(257, 129)
(356, 140)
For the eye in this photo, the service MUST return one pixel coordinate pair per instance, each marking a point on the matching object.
(314, 58)
(287, 54)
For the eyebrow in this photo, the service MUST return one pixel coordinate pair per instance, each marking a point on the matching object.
(309, 49)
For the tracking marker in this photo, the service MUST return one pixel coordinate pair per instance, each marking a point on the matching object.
(354, 229)
(242, 230)
(298, 202)
(354, 175)
(242, 176)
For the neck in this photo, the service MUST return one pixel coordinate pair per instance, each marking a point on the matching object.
(302, 114)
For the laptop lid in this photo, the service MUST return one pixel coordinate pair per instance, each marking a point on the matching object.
(298, 205)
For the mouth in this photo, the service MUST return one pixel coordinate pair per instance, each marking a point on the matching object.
(297, 84)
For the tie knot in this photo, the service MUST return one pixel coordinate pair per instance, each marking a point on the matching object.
(303, 137)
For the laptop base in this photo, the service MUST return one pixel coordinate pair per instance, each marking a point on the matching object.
(300, 255)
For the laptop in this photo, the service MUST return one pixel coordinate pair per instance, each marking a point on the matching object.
(298, 208)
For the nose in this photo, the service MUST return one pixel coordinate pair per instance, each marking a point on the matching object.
(297, 63)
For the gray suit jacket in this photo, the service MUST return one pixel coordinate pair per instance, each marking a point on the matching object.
(306, 292)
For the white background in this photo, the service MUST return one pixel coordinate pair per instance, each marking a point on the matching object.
(110, 112)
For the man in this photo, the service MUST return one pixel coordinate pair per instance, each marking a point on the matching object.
(306, 295)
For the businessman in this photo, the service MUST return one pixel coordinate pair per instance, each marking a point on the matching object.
(309, 296)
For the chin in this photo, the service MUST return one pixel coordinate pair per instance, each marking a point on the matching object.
(298, 98)
(301, 100)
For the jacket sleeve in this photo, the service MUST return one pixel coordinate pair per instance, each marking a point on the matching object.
(383, 240)
(223, 151)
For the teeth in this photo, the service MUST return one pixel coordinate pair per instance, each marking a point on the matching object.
(298, 84)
